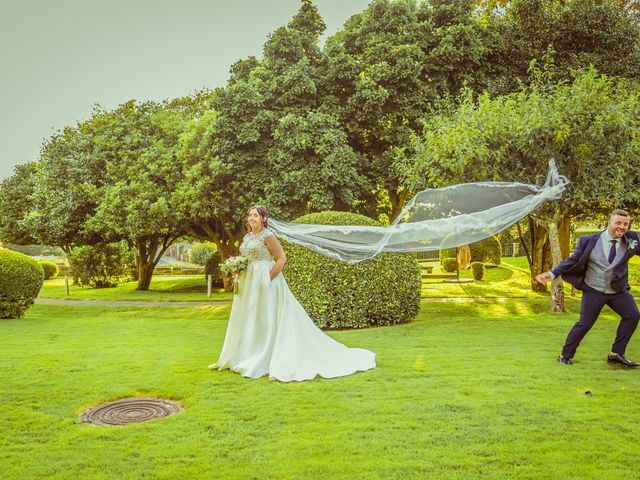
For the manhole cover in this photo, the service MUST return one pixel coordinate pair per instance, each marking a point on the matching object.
(129, 410)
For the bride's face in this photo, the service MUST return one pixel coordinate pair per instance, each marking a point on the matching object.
(254, 220)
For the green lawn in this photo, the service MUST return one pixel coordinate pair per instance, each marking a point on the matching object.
(467, 390)
(164, 288)
(510, 279)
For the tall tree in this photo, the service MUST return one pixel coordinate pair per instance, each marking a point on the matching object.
(138, 195)
(67, 179)
(16, 199)
(267, 140)
(602, 33)
(589, 126)
(386, 69)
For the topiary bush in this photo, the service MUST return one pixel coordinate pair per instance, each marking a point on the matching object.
(100, 266)
(449, 264)
(486, 251)
(51, 270)
(382, 291)
(446, 253)
(212, 267)
(21, 278)
(477, 270)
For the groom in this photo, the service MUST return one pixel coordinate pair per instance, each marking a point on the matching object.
(599, 267)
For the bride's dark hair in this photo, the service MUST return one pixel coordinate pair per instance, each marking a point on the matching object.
(264, 216)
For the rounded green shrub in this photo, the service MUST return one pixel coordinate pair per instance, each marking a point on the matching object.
(101, 265)
(201, 253)
(212, 267)
(449, 264)
(486, 251)
(21, 278)
(446, 253)
(51, 270)
(382, 291)
(477, 270)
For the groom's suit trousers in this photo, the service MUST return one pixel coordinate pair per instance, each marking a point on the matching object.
(593, 302)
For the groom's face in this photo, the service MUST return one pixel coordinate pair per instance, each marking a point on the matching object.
(618, 226)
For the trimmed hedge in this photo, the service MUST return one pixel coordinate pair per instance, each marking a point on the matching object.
(446, 253)
(51, 270)
(21, 278)
(488, 250)
(449, 264)
(477, 270)
(382, 291)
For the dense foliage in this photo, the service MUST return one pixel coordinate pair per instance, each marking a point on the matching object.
(100, 265)
(201, 252)
(382, 291)
(477, 270)
(50, 269)
(449, 264)
(21, 279)
(407, 95)
(488, 250)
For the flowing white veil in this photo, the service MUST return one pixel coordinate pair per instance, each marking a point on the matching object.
(433, 219)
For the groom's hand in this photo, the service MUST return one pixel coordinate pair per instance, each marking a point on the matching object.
(543, 277)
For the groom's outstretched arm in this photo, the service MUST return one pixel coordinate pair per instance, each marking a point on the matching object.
(565, 265)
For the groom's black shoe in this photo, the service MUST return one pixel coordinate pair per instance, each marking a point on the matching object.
(564, 360)
(621, 360)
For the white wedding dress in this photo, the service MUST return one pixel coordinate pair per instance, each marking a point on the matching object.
(270, 333)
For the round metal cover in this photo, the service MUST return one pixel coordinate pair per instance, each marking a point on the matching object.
(129, 410)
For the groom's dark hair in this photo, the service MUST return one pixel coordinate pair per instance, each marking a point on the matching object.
(618, 211)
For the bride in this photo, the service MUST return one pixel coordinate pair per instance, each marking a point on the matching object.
(269, 332)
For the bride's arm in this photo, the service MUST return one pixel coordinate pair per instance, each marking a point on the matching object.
(275, 249)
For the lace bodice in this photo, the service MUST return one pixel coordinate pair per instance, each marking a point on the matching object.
(253, 246)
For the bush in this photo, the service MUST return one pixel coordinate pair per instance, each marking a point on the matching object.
(446, 253)
(477, 270)
(382, 291)
(51, 270)
(486, 251)
(102, 265)
(21, 278)
(449, 264)
(201, 253)
(212, 267)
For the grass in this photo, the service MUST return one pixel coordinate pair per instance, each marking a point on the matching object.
(467, 390)
(510, 279)
(164, 288)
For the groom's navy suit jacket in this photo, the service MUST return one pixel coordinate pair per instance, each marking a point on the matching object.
(573, 269)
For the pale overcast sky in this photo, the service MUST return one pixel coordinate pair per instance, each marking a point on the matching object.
(60, 57)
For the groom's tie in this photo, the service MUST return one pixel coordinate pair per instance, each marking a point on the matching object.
(612, 252)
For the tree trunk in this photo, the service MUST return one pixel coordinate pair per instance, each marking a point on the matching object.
(540, 254)
(145, 263)
(564, 230)
(149, 252)
(145, 273)
(524, 244)
(398, 199)
(556, 302)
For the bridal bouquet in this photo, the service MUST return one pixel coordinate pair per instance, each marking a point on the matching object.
(233, 266)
